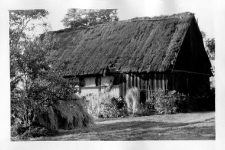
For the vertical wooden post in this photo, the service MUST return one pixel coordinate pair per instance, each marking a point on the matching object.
(135, 80)
(155, 81)
(120, 85)
(146, 86)
(159, 81)
(124, 84)
(80, 81)
(142, 82)
(99, 84)
(150, 83)
(138, 82)
(163, 81)
(147, 78)
(127, 81)
(166, 82)
(131, 80)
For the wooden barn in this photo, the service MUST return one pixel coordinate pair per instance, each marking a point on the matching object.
(165, 52)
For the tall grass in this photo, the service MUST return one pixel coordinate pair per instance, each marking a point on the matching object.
(132, 100)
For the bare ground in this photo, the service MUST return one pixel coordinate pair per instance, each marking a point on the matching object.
(185, 126)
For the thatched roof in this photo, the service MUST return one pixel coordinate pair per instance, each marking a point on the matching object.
(136, 45)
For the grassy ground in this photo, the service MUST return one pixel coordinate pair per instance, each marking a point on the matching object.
(187, 126)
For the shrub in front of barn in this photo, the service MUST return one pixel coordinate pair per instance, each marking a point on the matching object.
(105, 106)
(170, 102)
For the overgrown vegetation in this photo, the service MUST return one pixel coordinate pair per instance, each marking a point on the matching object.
(209, 46)
(105, 106)
(173, 102)
(168, 102)
(39, 94)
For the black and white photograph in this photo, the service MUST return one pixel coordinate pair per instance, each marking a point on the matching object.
(105, 70)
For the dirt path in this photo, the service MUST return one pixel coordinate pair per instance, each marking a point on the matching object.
(189, 126)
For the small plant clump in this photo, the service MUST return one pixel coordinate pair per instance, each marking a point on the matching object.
(168, 102)
(105, 106)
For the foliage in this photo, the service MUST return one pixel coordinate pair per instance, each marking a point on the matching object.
(168, 102)
(20, 23)
(171, 102)
(39, 85)
(20, 69)
(209, 45)
(88, 17)
(145, 109)
(35, 85)
(19, 26)
(105, 106)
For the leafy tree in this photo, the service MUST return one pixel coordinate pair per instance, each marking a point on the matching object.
(209, 45)
(34, 83)
(19, 26)
(88, 17)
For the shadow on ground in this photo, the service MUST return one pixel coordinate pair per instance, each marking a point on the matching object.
(141, 130)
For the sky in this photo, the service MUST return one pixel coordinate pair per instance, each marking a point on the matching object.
(127, 9)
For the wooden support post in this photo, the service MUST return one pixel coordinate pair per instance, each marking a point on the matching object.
(146, 86)
(155, 81)
(135, 80)
(163, 81)
(120, 85)
(127, 81)
(150, 83)
(159, 81)
(138, 82)
(131, 80)
(99, 84)
(166, 81)
(142, 84)
(124, 84)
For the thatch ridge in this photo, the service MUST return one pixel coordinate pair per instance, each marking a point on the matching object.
(136, 45)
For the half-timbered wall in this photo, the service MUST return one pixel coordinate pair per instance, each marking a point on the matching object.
(147, 83)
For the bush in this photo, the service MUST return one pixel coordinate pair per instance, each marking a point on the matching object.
(145, 109)
(105, 106)
(168, 102)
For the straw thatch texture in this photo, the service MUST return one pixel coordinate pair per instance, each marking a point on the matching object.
(65, 115)
(137, 45)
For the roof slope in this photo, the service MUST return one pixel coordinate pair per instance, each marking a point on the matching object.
(136, 45)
